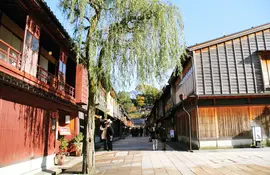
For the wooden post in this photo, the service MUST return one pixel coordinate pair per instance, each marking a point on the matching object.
(250, 110)
(216, 122)
(8, 55)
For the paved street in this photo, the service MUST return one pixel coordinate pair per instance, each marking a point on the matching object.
(133, 156)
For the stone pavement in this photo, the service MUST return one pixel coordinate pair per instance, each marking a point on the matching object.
(128, 159)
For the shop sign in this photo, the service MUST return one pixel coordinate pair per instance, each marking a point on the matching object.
(64, 130)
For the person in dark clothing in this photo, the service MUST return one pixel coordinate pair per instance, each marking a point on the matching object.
(109, 136)
(133, 132)
(146, 131)
(141, 131)
(136, 132)
(103, 130)
(163, 136)
(154, 136)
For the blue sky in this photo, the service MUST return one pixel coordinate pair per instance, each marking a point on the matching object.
(206, 19)
(209, 19)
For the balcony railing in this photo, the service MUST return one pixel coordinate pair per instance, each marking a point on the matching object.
(69, 90)
(46, 77)
(10, 55)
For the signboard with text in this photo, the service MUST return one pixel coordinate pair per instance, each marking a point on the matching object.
(64, 130)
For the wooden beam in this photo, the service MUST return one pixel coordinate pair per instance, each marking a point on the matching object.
(220, 76)
(211, 70)
(252, 65)
(236, 68)
(229, 76)
(194, 72)
(264, 42)
(250, 110)
(261, 67)
(244, 66)
(216, 123)
(202, 72)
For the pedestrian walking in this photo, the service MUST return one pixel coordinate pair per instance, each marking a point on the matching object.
(133, 132)
(163, 136)
(141, 131)
(146, 131)
(109, 135)
(154, 137)
(103, 130)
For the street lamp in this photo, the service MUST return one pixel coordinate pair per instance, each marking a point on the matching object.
(181, 96)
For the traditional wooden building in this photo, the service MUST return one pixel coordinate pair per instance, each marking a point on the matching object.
(37, 86)
(225, 83)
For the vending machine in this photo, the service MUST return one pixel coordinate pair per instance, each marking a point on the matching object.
(257, 136)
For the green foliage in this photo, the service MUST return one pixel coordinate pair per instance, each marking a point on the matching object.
(125, 101)
(140, 100)
(144, 116)
(78, 138)
(266, 143)
(129, 107)
(132, 109)
(123, 97)
(135, 115)
(149, 93)
(143, 38)
(63, 144)
(120, 38)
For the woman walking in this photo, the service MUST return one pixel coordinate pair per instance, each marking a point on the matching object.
(103, 130)
(109, 135)
(163, 136)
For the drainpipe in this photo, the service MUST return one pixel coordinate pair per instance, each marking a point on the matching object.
(189, 123)
(181, 96)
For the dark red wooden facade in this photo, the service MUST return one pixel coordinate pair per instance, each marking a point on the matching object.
(37, 83)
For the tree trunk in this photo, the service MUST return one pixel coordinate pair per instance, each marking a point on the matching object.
(89, 128)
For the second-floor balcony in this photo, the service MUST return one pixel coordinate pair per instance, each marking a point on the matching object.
(10, 55)
(100, 99)
(13, 59)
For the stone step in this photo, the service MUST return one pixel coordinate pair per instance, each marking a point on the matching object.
(50, 171)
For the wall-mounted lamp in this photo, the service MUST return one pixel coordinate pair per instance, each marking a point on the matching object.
(53, 124)
(50, 52)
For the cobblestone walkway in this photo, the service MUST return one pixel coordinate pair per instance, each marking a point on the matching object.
(127, 159)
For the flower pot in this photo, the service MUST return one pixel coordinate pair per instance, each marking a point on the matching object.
(79, 150)
(78, 153)
(60, 159)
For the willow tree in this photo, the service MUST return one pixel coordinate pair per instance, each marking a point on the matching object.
(123, 41)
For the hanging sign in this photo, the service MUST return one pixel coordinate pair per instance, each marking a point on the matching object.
(64, 130)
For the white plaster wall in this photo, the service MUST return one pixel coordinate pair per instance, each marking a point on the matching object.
(29, 167)
(225, 143)
(234, 142)
(208, 143)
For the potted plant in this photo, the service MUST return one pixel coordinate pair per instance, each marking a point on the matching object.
(63, 148)
(78, 144)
